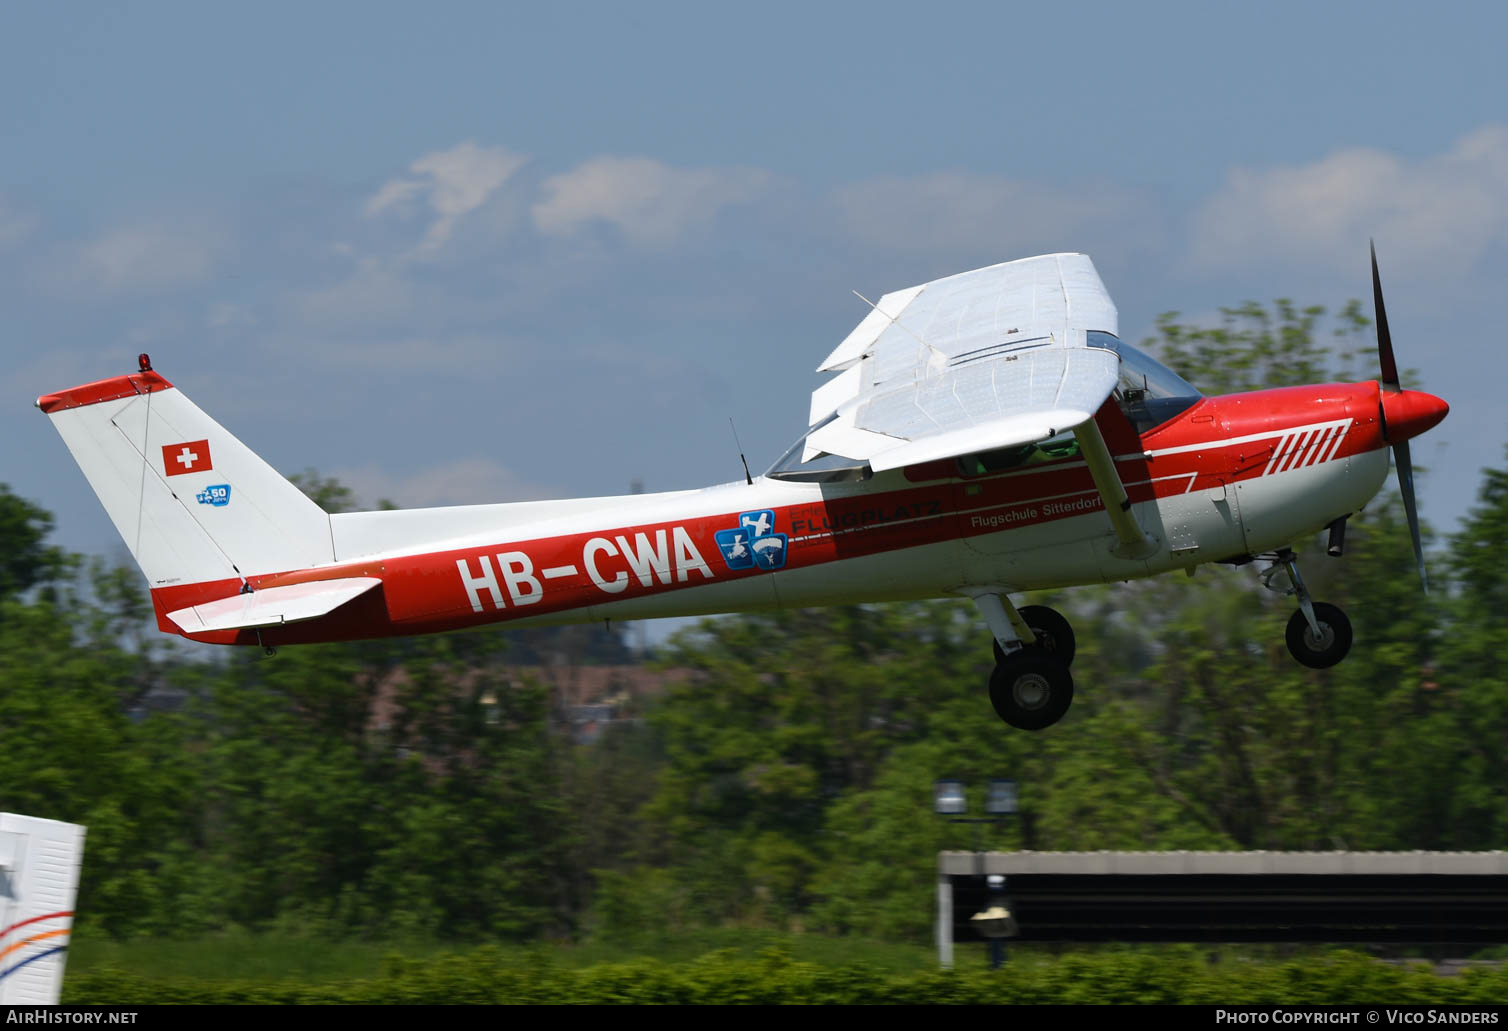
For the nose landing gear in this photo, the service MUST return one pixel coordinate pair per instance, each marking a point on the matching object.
(1319, 634)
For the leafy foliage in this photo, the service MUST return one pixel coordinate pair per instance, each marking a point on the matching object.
(486, 977)
(1253, 348)
(25, 561)
(427, 789)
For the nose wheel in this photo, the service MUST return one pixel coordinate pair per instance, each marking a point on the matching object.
(1323, 645)
(1319, 634)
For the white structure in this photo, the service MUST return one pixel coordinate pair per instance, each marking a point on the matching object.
(39, 878)
(1404, 898)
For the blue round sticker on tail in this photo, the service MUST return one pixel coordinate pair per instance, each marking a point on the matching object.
(217, 494)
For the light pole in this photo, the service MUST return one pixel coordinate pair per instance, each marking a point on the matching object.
(950, 801)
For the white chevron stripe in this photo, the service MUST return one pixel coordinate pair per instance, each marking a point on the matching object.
(1305, 446)
(1277, 453)
(1319, 446)
(1295, 451)
(1345, 428)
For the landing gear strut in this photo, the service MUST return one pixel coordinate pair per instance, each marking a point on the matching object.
(1052, 631)
(1319, 634)
(1030, 686)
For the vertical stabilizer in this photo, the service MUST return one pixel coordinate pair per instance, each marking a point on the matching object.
(191, 501)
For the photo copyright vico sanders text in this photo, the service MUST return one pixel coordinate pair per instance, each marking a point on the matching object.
(1378, 1015)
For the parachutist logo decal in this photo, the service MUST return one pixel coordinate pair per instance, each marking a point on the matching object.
(217, 494)
(754, 544)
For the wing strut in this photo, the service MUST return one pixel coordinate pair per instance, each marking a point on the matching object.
(1133, 543)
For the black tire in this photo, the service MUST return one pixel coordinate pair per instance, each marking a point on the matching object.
(1031, 689)
(1054, 633)
(1332, 644)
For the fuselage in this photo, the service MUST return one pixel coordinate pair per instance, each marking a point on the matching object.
(1229, 477)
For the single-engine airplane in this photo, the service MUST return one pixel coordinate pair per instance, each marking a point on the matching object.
(984, 434)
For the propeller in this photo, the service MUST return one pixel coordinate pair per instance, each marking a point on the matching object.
(1405, 414)
(1384, 338)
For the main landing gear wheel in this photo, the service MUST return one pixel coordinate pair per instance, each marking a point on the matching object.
(1053, 632)
(1329, 646)
(1031, 689)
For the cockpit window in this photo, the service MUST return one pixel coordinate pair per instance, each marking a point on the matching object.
(824, 468)
(1064, 445)
(1149, 392)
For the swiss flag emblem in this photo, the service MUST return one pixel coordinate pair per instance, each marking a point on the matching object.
(192, 457)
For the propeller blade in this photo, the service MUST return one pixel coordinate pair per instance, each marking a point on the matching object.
(1405, 466)
(1384, 338)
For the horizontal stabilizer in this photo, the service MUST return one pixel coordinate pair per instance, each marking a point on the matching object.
(273, 606)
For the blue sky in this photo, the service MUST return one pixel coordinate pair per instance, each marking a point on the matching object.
(459, 252)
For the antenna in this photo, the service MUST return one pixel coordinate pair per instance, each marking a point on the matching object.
(747, 478)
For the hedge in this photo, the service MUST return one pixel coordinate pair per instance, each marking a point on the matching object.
(483, 977)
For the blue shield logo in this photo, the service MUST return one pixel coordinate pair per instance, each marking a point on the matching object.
(734, 544)
(753, 544)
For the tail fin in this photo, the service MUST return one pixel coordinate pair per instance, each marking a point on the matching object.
(192, 502)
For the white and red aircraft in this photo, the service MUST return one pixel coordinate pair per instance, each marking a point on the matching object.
(985, 434)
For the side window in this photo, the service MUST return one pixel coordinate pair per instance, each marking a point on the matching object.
(1064, 445)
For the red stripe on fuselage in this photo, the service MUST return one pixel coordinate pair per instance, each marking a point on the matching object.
(1218, 441)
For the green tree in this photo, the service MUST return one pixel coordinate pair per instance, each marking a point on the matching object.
(783, 713)
(1254, 348)
(1467, 688)
(26, 560)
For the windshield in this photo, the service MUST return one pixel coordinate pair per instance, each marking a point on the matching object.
(1148, 391)
(825, 468)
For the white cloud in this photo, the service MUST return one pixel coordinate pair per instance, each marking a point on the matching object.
(651, 203)
(146, 258)
(453, 183)
(465, 481)
(395, 193)
(952, 211)
(1439, 212)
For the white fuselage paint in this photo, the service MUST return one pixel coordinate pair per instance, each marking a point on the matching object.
(1247, 517)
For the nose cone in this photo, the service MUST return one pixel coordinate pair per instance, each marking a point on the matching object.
(1409, 413)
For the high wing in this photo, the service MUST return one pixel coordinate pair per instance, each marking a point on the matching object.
(982, 360)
